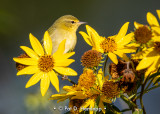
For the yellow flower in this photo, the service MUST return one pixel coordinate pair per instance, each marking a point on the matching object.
(43, 65)
(143, 34)
(150, 58)
(113, 45)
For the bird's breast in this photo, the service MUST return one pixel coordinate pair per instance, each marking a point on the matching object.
(59, 35)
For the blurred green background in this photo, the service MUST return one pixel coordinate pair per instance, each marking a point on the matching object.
(18, 18)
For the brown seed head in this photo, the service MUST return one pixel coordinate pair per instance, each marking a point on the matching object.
(91, 58)
(110, 89)
(21, 66)
(143, 34)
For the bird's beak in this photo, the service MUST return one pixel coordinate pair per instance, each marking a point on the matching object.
(82, 23)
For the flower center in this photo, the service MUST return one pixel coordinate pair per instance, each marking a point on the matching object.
(143, 34)
(46, 63)
(157, 46)
(108, 45)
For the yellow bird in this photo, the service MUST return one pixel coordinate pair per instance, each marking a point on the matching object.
(64, 27)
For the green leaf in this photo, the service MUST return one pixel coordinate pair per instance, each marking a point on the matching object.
(138, 111)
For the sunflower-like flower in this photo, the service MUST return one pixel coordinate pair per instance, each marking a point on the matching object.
(113, 45)
(150, 57)
(87, 95)
(43, 64)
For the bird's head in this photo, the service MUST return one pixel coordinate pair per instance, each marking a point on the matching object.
(68, 22)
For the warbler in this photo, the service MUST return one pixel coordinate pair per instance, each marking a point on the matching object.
(64, 27)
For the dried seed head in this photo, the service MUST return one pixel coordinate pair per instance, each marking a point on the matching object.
(110, 89)
(91, 58)
(21, 66)
(143, 34)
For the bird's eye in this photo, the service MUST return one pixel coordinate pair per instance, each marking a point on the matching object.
(72, 22)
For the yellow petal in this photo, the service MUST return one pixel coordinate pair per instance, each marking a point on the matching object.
(86, 38)
(47, 43)
(54, 79)
(67, 55)
(65, 71)
(128, 50)
(156, 38)
(68, 88)
(60, 49)
(28, 70)
(122, 32)
(77, 95)
(137, 25)
(125, 40)
(63, 63)
(57, 96)
(122, 55)
(30, 52)
(85, 105)
(64, 98)
(145, 62)
(34, 79)
(153, 67)
(37, 47)
(99, 78)
(92, 103)
(45, 82)
(95, 38)
(152, 19)
(158, 13)
(101, 105)
(113, 57)
(91, 31)
(156, 29)
(26, 61)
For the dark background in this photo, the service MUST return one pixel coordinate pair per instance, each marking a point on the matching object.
(19, 18)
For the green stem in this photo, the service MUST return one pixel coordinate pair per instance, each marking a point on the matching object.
(105, 64)
(142, 93)
(71, 81)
